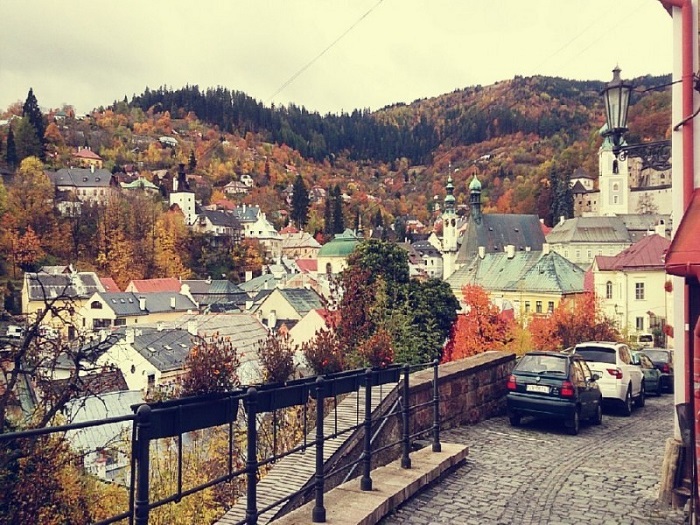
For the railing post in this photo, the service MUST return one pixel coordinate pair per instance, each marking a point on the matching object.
(143, 426)
(251, 509)
(319, 513)
(436, 409)
(406, 458)
(366, 481)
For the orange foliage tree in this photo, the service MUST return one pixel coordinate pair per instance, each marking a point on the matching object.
(481, 328)
(576, 319)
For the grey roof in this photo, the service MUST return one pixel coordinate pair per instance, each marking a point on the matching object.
(76, 285)
(532, 271)
(218, 291)
(579, 188)
(221, 218)
(99, 407)
(495, 231)
(81, 177)
(302, 300)
(426, 249)
(590, 230)
(257, 284)
(165, 348)
(246, 213)
(127, 303)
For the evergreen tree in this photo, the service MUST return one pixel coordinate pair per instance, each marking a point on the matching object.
(338, 220)
(32, 113)
(300, 203)
(10, 150)
(328, 213)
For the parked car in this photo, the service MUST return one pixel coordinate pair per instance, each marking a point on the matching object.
(620, 380)
(645, 340)
(554, 385)
(663, 360)
(652, 375)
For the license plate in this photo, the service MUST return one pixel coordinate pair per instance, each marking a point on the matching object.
(542, 389)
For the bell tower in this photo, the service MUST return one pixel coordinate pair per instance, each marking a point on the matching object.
(449, 231)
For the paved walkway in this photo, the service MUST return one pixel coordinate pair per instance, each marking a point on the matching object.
(538, 474)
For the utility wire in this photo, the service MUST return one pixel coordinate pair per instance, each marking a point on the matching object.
(311, 62)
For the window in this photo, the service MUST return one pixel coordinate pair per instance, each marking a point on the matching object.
(608, 290)
(589, 254)
(151, 380)
(96, 305)
(538, 307)
(121, 321)
(550, 307)
(616, 187)
(527, 307)
(616, 200)
(639, 291)
(640, 323)
(615, 168)
(578, 254)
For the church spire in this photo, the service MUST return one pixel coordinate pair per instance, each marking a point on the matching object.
(475, 198)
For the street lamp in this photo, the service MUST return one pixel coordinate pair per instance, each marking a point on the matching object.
(616, 94)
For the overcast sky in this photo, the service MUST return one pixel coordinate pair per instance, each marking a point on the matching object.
(326, 55)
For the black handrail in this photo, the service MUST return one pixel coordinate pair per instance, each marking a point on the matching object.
(175, 418)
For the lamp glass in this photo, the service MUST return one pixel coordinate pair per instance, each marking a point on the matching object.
(617, 100)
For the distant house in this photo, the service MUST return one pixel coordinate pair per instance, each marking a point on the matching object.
(59, 293)
(581, 239)
(106, 311)
(632, 285)
(528, 282)
(430, 258)
(235, 188)
(299, 244)
(286, 306)
(87, 185)
(86, 158)
(140, 184)
(219, 224)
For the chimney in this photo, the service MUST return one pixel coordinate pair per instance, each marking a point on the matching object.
(248, 275)
(172, 302)
(482, 252)
(248, 304)
(545, 248)
(159, 326)
(510, 251)
(272, 319)
(92, 168)
(142, 302)
(561, 219)
(192, 327)
(129, 337)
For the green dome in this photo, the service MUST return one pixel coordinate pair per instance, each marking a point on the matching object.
(342, 245)
(475, 184)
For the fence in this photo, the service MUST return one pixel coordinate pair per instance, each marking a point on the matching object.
(177, 418)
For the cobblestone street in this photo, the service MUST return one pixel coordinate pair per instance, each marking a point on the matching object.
(539, 474)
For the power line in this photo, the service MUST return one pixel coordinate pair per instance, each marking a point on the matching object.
(313, 60)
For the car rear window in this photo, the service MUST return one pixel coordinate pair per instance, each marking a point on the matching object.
(597, 354)
(657, 355)
(542, 363)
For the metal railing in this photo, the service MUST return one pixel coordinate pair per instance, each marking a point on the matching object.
(175, 418)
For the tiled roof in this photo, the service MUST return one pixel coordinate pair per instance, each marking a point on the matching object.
(77, 285)
(647, 254)
(166, 349)
(165, 284)
(109, 284)
(86, 153)
(81, 178)
(302, 299)
(298, 240)
(307, 265)
(591, 230)
(495, 231)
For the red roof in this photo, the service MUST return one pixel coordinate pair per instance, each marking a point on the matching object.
(683, 257)
(166, 284)
(588, 281)
(307, 265)
(109, 284)
(289, 229)
(646, 254)
(87, 154)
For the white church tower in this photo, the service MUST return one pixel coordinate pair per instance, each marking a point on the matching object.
(449, 232)
(182, 196)
(613, 182)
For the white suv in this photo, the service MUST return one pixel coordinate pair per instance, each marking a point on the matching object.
(620, 380)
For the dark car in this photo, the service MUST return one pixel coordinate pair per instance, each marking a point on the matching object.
(652, 375)
(663, 360)
(554, 385)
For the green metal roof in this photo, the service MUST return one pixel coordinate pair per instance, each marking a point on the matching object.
(342, 245)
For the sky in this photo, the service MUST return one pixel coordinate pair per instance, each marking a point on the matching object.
(325, 55)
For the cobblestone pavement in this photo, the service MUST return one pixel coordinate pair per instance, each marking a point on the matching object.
(539, 474)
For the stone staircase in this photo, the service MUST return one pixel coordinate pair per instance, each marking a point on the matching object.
(296, 470)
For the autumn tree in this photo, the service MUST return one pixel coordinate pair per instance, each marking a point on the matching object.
(170, 240)
(277, 358)
(212, 366)
(480, 328)
(300, 203)
(576, 319)
(30, 199)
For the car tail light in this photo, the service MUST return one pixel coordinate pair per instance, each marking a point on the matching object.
(615, 372)
(512, 383)
(665, 368)
(567, 389)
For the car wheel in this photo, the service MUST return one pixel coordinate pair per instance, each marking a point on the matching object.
(574, 424)
(658, 388)
(598, 416)
(514, 420)
(639, 402)
(627, 406)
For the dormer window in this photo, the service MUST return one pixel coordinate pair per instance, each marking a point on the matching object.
(96, 305)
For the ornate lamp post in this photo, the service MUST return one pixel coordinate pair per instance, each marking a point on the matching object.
(616, 95)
